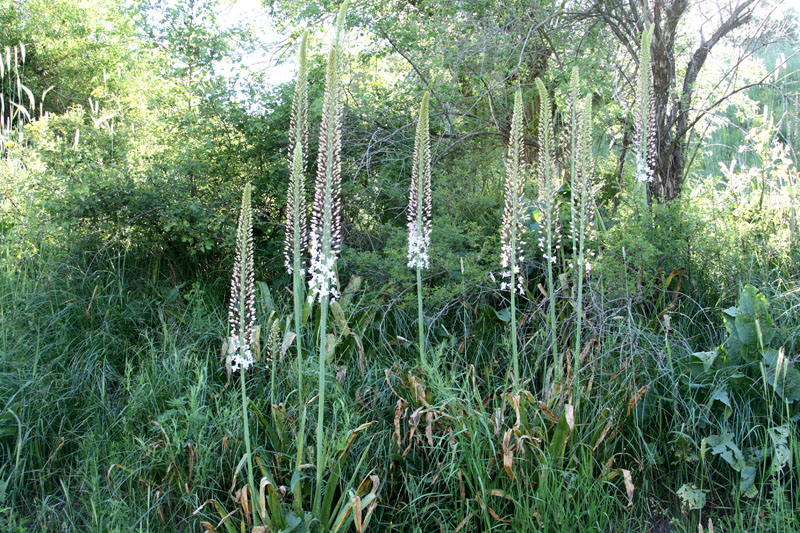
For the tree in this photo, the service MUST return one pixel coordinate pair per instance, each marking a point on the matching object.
(672, 97)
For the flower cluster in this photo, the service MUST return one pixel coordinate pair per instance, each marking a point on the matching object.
(418, 244)
(419, 196)
(326, 217)
(513, 229)
(296, 235)
(644, 114)
(583, 190)
(323, 277)
(550, 227)
(643, 173)
(241, 356)
(242, 309)
(551, 220)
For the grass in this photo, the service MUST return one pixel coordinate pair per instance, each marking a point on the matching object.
(118, 415)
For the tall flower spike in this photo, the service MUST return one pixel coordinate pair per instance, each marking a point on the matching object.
(550, 239)
(326, 217)
(419, 197)
(296, 235)
(242, 309)
(642, 113)
(513, 230)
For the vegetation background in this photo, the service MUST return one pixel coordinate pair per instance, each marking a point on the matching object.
(129, 130)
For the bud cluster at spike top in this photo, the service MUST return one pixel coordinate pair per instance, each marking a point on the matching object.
(242, 309)
(296, 235)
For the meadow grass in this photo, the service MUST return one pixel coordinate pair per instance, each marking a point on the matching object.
(118, 415)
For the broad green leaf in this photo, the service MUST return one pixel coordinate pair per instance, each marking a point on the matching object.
(753, 319)
(706, 358)
(691, 497)
(504, 314)
(720, 395)
(731, 311)
(724, 446)
(747, 481)
(781, 454)
(561, 434)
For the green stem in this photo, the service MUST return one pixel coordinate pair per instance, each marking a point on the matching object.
(298, 320)
(579, 298)
(579, 309)
(272, 380)
(247, 448)
(323, 356)
(421, 321)
(550, 291)
(514, 350)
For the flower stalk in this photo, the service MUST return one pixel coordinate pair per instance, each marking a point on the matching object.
(547, 170)
(326, 235)
(644, 117)
(296, 235)
(513, 229)
(582, 223)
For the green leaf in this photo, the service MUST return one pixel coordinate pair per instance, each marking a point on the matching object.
(747, 481)
(504, 314)
(720, 395)
(691, 497)
(706, 358)
(731, 311)
(560, 436)
(265, 298)
(753, 321)
(724, 446)
(781, 454)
